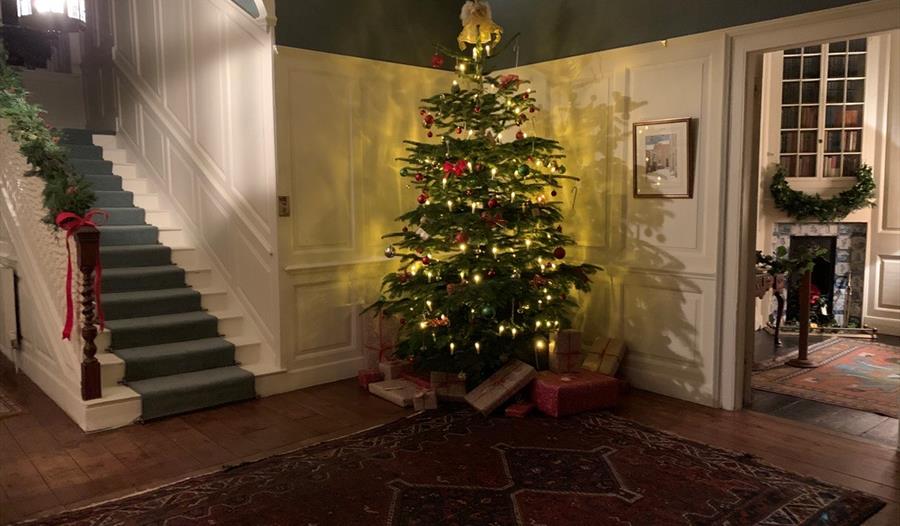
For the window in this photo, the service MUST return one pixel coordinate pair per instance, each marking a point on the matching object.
(822, 90)
(24, 7)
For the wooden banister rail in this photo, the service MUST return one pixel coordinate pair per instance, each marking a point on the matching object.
(87, 242)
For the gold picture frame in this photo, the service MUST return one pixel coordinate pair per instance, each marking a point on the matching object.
(663, 157)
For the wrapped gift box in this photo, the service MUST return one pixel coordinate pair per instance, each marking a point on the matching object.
(393, 369)
(368, 376)
(425, 399)
(570, 393)
(421, 381)
(605, 356)
(380, 334)
(564, 362)
(501, 386)
(519, 409)
(449, 386)
(568, 341)
(400, 392)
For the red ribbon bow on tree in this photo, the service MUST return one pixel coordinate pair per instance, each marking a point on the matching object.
(493, 221)
(456, 168)
(71, 222)
(506, 80)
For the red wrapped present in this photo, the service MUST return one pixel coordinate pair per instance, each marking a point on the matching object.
(563, 361)
(569, 393)
(568, 341)
(380, 335)
(399, 392)
(501, 386)
(519, 409)
(393, 369)
(449, 386)
(368, 376)
(424, 399)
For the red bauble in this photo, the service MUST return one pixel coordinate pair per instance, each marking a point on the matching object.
(405, 229)
(553, 193)
(437, 60)
(430, 134)
(559, 229)
(458, 130)
(462, 237)
(559, 252)
(402, 322)
(71, 190)
(520, 135)
(429, 119)
(477, 109)
(492, 203)
(419, 176)
(491, 273)
(468, 191)
(422, 198)
(426, 260)
(531, 109)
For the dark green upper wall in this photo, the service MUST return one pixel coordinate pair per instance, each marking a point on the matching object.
(404, 30)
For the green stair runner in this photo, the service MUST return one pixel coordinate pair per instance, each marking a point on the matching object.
(173, 353)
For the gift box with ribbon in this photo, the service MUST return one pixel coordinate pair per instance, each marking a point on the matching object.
(568, 341)
(563, 394)
(425, 399)
(501, 386)
(605, 356)
(368, 376)
(400, 392)
(380, 335)
(565, 353)
(393, 369)
(449, 386)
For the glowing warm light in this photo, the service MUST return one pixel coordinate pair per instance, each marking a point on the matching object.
(423, 324)
(514, 332)
(476, 278)
(539, 344)
(428, 304)
(463, 247)
(477, 347)
(452, 347)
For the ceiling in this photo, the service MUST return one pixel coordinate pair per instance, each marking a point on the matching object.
(404, 31)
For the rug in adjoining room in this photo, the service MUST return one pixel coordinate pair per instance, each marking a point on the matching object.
(858, 374)
(459, 468)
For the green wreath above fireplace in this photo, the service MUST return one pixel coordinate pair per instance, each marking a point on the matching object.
(801, 205)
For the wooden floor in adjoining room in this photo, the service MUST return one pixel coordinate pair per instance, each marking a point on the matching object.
(47, 464)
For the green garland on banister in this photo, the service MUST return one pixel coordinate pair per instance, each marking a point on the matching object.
(65, 191)
(804, 206)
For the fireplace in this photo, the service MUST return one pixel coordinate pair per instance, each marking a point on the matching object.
(840, 279)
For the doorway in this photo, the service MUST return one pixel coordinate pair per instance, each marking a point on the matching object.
(813, 119)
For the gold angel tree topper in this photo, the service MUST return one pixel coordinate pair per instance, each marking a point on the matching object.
(478, 27)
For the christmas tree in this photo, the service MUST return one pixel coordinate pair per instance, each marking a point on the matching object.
(484, 276)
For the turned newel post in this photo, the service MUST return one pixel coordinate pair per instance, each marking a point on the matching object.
(87, 241)
(802, 360)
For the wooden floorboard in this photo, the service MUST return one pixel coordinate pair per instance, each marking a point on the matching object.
(47, 464)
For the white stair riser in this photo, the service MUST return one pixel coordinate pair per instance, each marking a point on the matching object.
(159, 218)
(233, 326)
(215, 301)
(146, 201)
(249, 353)
(172, 238)
(199, 279)
(112, 373)
(186, 257)
(106, 141)
(125, 171)
(137, 186)
(116, 155)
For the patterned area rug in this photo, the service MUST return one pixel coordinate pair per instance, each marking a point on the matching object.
(857, 374)
(7, 406)
(460, 468)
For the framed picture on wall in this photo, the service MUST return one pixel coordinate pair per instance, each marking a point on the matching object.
(663, 159)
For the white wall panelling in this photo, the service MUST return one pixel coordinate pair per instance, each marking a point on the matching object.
(194, 95)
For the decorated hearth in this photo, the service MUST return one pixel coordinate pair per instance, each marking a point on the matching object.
(461, 468)
(485, 277)
(803, 206)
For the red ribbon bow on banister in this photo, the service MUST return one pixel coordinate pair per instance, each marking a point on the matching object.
(71, 222)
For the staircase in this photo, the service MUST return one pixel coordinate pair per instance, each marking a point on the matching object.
(164, 337)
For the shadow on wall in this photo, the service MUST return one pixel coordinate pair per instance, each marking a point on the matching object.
(640, 296)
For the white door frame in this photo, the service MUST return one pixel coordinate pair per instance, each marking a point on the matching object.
(738, 218)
